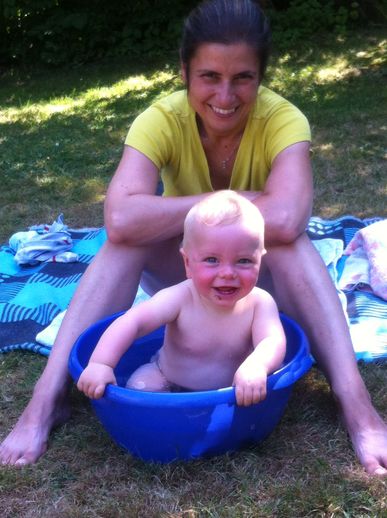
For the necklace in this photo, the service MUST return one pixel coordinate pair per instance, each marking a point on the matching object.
(225, 162)
(210, 151)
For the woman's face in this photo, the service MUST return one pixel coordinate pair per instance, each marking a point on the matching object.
(222, 86)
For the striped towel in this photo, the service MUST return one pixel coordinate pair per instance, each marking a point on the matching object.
(32, 296)
(366, 312)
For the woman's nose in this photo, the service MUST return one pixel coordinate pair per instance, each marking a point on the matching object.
(225, 93)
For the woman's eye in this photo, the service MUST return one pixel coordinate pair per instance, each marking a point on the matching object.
(210, 76)
(243, 79)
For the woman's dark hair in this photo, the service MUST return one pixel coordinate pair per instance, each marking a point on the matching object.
(226, 22)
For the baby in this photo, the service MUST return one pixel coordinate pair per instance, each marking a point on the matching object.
(221, 329)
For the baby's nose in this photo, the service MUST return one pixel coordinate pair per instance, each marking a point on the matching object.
(228, 272)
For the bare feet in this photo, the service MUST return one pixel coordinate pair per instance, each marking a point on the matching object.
(28, 440)
(368, 434)
(371, 449)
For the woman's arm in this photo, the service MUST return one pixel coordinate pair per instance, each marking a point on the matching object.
(134, 214)
(287, 198)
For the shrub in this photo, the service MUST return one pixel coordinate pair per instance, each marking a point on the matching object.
(58, 32)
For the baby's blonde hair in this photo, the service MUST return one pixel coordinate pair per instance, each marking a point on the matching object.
(224, 208)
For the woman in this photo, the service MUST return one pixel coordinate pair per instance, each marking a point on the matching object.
(226, 131)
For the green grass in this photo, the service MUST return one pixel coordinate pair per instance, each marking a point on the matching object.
(61, 138)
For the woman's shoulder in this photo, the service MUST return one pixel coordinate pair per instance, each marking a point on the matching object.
(174, 103)
(270, 103)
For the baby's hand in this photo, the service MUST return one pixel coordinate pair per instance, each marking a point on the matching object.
(93, 380)
(250, 383)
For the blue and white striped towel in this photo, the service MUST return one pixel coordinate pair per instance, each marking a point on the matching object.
(32, 296)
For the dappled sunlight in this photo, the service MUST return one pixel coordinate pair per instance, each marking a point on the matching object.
(337, 72)
(309, 69)
(138, 86)
(327, 147)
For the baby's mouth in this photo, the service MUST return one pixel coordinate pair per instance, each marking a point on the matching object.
(225, 290)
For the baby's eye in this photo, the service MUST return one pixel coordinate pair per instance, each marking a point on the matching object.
(210, 260)
(244, 260)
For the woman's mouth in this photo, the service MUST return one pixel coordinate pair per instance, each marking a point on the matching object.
(221, 111)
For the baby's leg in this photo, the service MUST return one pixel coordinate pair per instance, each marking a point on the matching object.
(149, 378)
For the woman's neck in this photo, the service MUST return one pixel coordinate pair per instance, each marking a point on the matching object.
(221, 152)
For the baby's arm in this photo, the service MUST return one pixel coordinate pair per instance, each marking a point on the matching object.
(269, 341)
(161, 309)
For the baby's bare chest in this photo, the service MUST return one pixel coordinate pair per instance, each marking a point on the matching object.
(200, 333)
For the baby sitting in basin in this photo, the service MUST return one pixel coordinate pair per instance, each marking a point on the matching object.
(221, 329)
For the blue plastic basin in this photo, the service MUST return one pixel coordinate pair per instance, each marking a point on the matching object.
(163, 427)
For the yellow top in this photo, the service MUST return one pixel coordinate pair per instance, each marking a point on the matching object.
(167, 134)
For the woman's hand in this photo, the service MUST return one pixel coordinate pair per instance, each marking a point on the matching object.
(93, 380)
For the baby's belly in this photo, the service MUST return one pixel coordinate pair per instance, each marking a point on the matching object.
(195, 374)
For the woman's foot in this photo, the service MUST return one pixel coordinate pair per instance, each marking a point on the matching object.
(368, 434)
(28, 440)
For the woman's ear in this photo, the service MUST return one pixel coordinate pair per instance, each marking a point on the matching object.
(186, 263)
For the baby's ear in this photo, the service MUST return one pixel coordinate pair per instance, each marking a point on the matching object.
(186, 263)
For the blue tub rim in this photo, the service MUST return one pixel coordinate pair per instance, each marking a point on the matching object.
(282, 378)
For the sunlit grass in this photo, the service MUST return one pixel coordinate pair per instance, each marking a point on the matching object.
(326, 66)
(135, 86)
(61, 136)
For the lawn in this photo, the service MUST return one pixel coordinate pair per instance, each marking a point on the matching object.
(61, 137)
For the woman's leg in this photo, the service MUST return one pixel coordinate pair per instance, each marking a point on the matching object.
(109, 285)
(304, 290)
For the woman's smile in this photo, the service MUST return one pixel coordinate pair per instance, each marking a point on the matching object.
(221, 111)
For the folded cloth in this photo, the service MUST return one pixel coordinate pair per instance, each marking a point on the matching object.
(43, 243)
(47, 336)
(367, 261)
(331, 250)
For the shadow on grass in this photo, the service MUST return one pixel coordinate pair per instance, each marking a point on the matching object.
(29, 86)
(62, 131)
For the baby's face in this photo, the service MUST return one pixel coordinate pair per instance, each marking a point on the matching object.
(223, 261)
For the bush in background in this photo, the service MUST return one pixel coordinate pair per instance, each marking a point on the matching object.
(297, 20)
(58, 32)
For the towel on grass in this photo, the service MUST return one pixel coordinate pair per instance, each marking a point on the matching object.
(32, 296)
(366, 312)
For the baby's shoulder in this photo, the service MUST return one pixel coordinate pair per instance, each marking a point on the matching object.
(181, 293)
(260, 294)
(260, 297)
